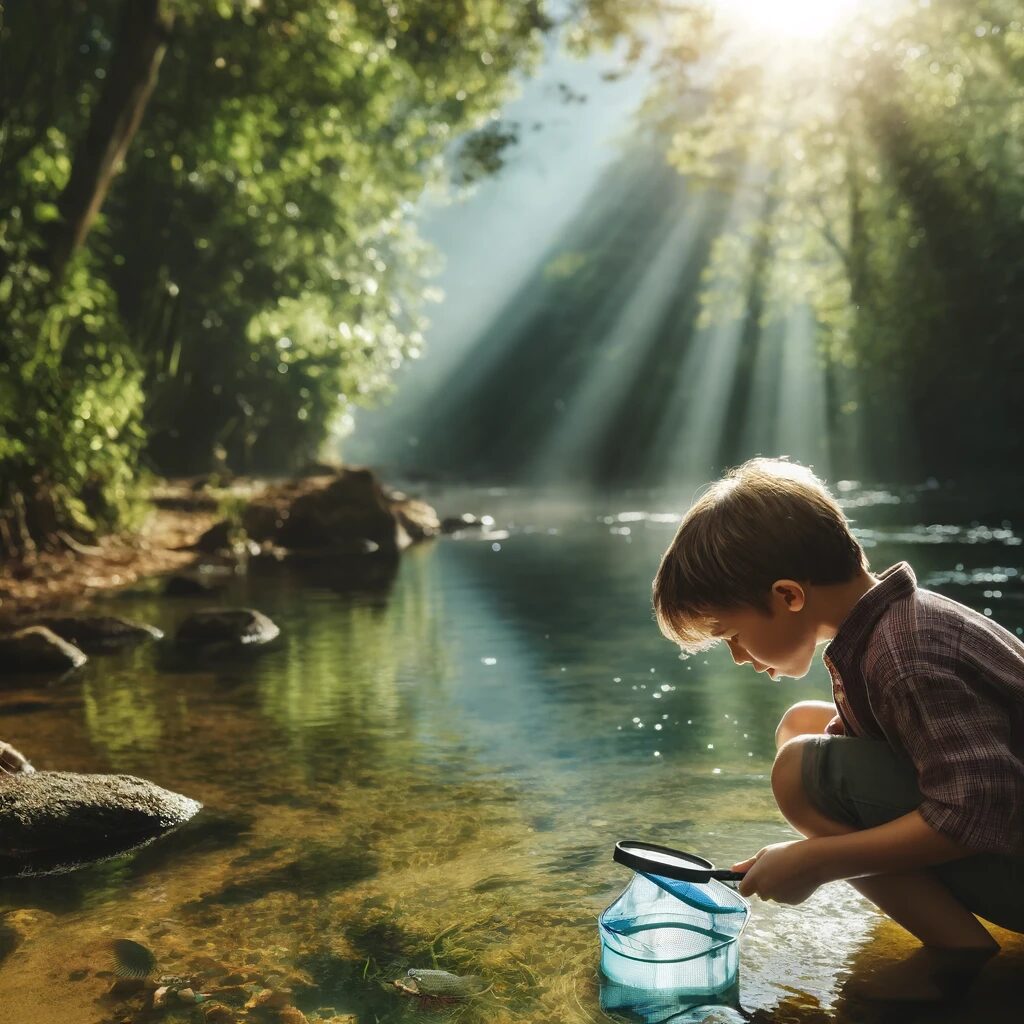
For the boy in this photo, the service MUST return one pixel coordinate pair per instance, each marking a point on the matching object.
(911, 784)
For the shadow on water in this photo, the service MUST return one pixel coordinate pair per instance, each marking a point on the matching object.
(317, 871)
(209, 832)
(433, 775)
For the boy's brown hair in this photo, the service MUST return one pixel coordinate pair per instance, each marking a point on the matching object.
(767, 520)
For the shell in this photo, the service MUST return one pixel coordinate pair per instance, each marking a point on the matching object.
(130, 959)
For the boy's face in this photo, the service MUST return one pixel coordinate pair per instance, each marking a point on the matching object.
(780, 642)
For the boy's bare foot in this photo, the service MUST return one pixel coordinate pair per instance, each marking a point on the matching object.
(13, 762)
(928, 975)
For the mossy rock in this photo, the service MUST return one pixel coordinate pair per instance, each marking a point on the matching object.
(37, 649)
(57, 821)
(97, 633)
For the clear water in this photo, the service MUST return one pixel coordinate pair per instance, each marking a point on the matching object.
(434, 773)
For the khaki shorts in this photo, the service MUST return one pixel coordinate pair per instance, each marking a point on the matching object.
(864, 783)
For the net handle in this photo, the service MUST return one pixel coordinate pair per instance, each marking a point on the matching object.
(630, 853)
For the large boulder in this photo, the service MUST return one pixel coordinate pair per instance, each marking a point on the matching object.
(93, 633)
(231, 627)
(57, 821)
(350, 508)
(343, 512)
(38, 650)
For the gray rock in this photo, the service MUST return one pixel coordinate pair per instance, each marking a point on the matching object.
(353, 506)
(216, 538)
(94, 633)
(57, 821)
(467, 521)
(38, 649)
(244, 627)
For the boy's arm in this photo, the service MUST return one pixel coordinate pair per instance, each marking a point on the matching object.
(903, 844)
(790, 872)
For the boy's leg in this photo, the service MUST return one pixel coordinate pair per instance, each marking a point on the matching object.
(917, 900)
(808, 716)
(956, 944)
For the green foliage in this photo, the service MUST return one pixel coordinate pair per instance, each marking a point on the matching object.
(70, 384)
(268, 268)
(254, 272)
(880, 167)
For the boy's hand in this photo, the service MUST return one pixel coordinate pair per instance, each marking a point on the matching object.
(783, 872)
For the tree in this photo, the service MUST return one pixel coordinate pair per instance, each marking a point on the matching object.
(253, 270)
(889, 155)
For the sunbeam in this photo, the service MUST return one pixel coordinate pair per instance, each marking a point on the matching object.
(789, 19)
(612, 367)
(787, 414)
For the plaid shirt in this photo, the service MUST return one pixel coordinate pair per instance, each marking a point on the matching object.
(945, 685)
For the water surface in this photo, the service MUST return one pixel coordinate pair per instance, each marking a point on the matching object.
(432, 771)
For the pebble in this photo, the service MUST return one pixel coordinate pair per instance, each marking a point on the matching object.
(218, 1013)
(269, 999)
(236, 995)
(160, 997)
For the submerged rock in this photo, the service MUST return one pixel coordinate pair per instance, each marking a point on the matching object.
(244, 627)
(38, 649)
(57, 821)
(18, 926)
(94, 633)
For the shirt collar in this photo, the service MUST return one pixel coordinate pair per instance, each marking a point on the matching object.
(846, 646)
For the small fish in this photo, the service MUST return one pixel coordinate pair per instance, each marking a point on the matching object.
(442, 984)
(130, 959)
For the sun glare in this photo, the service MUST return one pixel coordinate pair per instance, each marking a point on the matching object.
(788, 19)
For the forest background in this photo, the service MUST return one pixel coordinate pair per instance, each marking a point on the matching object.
(208, 254)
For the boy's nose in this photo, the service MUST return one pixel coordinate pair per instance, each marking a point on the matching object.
(739, 655)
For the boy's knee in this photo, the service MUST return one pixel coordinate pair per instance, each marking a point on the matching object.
(808, 716)
(788, 785)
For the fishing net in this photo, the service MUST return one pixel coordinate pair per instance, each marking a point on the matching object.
(664, 933)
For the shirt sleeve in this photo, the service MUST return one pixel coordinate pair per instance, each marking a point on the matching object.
(971, 780)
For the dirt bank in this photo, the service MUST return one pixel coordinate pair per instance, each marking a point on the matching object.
(75, 573)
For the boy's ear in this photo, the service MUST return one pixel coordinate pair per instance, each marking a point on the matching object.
(790, 593)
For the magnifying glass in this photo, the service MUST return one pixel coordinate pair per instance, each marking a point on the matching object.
(663, 860)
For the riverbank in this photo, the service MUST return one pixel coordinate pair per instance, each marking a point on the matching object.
(336, 510)
(76, 573)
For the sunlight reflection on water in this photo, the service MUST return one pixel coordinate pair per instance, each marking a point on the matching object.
(436, 773)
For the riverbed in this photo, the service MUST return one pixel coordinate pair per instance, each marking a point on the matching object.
(431, 769)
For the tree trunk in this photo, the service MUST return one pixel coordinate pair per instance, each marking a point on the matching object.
(139, 47)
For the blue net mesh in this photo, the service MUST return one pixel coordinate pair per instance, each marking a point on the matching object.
(663, 933)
